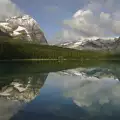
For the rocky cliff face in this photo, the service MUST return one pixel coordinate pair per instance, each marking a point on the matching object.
(24, 28)
(97, 44)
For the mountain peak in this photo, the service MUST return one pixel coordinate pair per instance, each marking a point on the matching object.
(23, 27)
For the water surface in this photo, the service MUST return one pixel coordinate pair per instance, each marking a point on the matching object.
(60, 91)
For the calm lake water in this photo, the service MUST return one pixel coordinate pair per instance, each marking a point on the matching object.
(60, 91)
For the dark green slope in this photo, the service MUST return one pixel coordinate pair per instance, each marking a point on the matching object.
(18, 50)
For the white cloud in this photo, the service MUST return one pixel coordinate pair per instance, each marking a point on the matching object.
(7, 9)
(98, 18)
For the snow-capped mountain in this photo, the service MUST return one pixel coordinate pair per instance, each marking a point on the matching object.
(96, 44)
(23, 27)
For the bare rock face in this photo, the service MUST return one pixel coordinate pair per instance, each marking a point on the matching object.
(23, 28)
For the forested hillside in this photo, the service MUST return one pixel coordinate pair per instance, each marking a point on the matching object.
(21, 50)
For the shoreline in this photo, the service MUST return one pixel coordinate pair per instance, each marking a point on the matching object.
(27, 60)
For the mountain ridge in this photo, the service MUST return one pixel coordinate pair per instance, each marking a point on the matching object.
(97, 44)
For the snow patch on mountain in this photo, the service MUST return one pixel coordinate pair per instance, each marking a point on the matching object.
(93, 44)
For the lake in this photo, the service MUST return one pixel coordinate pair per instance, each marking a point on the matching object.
(79, 90)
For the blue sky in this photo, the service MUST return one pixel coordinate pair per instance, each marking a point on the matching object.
(69, 20)
(50, 13)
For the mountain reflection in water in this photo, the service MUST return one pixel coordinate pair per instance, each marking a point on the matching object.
(60, 91)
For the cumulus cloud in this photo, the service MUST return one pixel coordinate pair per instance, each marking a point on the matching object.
(98, 18)
(8, 9)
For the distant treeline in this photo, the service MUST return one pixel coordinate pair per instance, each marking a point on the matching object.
(20, 50)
